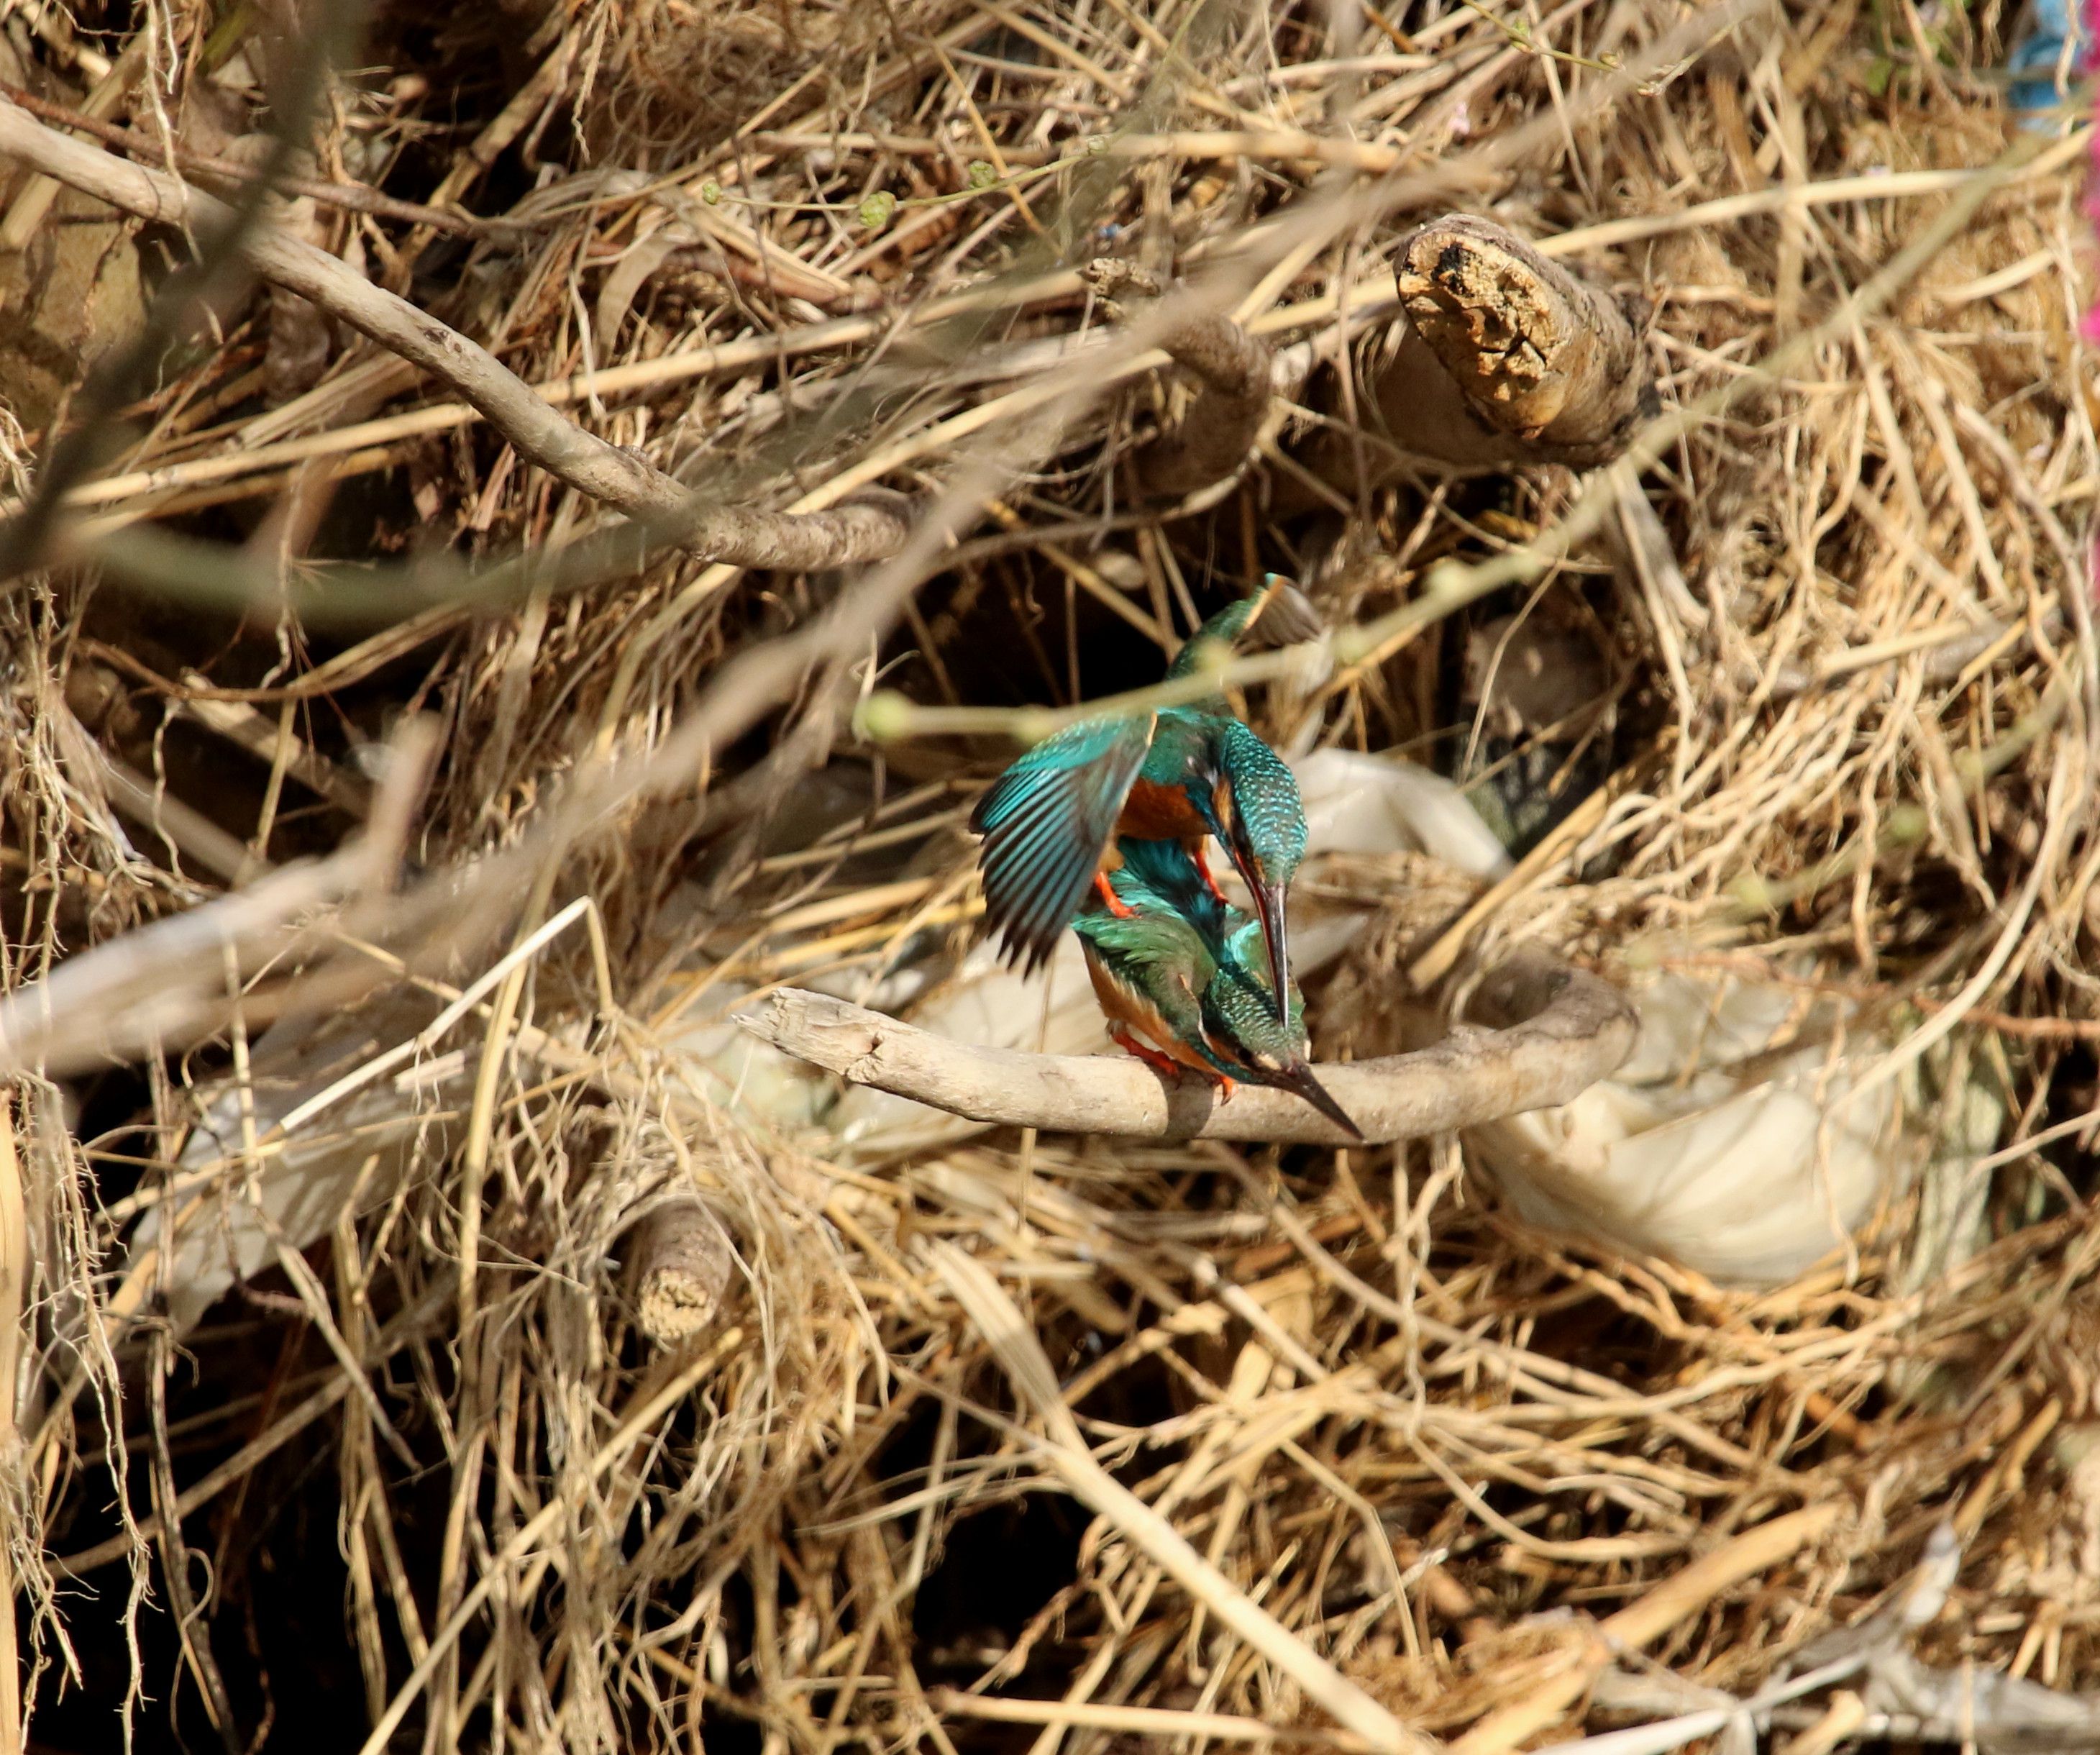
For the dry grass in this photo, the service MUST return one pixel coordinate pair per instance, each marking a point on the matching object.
(1081, 1430)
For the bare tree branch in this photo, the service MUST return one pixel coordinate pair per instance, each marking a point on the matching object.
(356, 197)
(1217, 431)
(739, 536)
(1542, 355)
(1564, 1029)
(1505, 359)
(681, 1266)
(166, 983)
(222, 233)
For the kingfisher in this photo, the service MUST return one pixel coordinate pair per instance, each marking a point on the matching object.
(1180, 977)
(1178, 774)
(1261, 1041)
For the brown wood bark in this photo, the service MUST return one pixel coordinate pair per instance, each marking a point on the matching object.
(681, 1267)
(1217, 432)
(1504, 358)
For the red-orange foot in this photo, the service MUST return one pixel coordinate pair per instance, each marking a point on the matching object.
(1204, 871)
(1110, 900)
(1152, 1057)
(1226, 1086)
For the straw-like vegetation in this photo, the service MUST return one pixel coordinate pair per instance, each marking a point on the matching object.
(425, 1310)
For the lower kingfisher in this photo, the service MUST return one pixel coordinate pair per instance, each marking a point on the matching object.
(1177, 774)
(1179, 975)
(1256, 1039)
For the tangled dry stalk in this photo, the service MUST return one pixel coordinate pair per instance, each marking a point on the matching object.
(449, 707)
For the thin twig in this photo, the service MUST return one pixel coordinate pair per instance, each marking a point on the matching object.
(226, 235)
(355, 197)
(742, 536)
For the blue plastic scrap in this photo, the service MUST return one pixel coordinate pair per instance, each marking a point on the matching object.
(2045, 63)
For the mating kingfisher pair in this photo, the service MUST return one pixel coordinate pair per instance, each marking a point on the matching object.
(1103, 827)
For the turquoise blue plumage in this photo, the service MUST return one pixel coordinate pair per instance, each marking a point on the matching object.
(1044, 822)
(1159, 877)
(1180, 774)
(1183, 979)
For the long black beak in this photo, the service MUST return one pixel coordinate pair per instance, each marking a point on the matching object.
(1268, 907)
(1299, 1082)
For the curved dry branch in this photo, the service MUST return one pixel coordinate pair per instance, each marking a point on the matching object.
(1563, 1030)
(354, 197)
(1218, 431)
(738, 535)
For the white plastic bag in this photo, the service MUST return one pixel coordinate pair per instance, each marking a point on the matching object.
(1745, 1164)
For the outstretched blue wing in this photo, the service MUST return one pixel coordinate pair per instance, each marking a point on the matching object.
(1045, 822)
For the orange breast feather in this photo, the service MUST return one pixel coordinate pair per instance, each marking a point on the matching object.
(1155, 812)
(1122, 1006)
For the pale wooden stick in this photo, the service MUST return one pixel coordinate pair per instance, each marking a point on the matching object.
(1567, 1030)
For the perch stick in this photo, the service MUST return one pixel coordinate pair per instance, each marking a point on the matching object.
(601, 471)
(1569, 1029)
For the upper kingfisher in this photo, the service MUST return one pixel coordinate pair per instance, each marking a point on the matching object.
(1180, 976)
(1177, 775)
